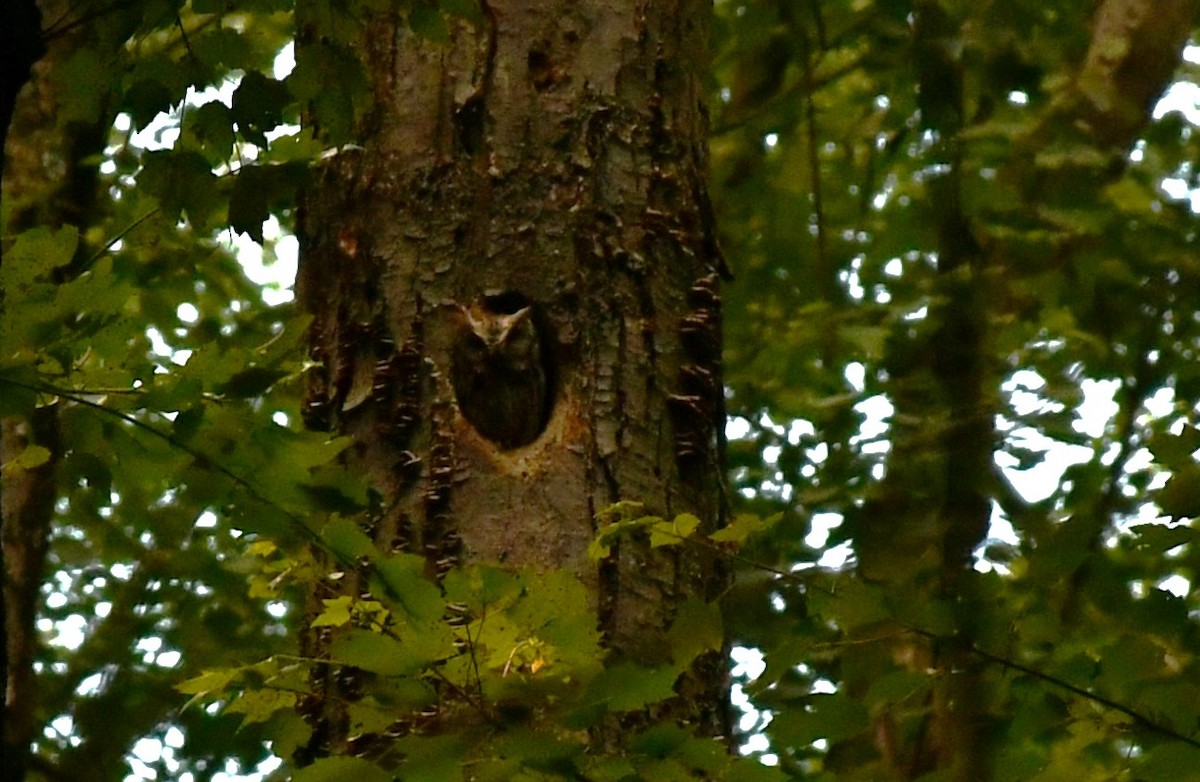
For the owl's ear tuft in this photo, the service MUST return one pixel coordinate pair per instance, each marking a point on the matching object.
(516, 319)
(470, 316)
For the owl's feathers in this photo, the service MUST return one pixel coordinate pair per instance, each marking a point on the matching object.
(498, 375)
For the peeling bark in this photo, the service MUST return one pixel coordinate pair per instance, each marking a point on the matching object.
(552, 159)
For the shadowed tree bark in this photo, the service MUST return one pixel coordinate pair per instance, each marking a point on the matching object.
(21, 27)
(49, 180)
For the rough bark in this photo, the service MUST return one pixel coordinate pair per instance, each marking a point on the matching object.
(46, 182)
(21, 27)
(1133, 54)
(21, 39)
(26, 506)
(550, 158)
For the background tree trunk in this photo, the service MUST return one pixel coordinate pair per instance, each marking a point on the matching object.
(47, 182)
(549, 158)
(933, 508)
(21, 23)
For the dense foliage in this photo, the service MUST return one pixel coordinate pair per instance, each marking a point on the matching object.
(857, 150)
(858, 156)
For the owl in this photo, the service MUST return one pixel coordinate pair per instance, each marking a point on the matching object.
(499, 375)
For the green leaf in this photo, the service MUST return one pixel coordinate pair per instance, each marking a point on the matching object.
(403, 694)
(250, 382)
(609, 769)
(261, 705)
(346, 539)
(366, 716)
(404, 577)
(96, 292)
(31, 457)
(851, 604)
(743, 527)
(1175, 450)
(299, 147)
(427, 21)
(660, 741)
(35, 254)
(288, 732)
(215, 681)
(259, 189)
(340, 769)
(330, 77)
(665, 770)
(1131, 196)
(146, 99)
(751, 769)
(537, 750)
(1160, 538)
(897, 687)
(258, 105)
(600, 547)
(697, 629)
(210, 129)
(1180, 498)
(830, 717)
(466, 9)
(867, 341)
(556, 610)
(433, 758)
(628, 687)
(674, 532)
(86, 82)
(1168, 763)
(378, 653)
(481, 588)
(182, 181)
(336, 613)
(17, 396)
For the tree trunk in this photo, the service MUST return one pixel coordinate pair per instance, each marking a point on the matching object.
(47, 181)
(514, 284)
(21, 22)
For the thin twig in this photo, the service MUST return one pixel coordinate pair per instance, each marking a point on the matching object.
(120, 235)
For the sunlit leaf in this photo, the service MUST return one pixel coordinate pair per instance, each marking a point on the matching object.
(261, 705)
(337, 612)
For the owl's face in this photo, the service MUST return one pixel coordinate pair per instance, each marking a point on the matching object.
(495, 330)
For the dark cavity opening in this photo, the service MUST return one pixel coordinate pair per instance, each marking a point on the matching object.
(507, 303)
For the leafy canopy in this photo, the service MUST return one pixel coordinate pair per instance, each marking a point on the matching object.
(189, 493)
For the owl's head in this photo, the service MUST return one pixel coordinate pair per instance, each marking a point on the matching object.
(495, 329)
